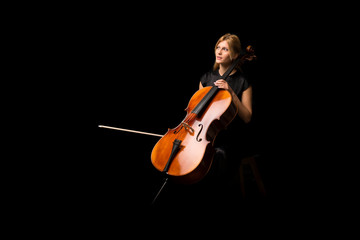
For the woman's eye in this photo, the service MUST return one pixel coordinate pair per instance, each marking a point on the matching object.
(224, 49)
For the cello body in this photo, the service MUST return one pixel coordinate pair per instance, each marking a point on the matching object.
(186, 152)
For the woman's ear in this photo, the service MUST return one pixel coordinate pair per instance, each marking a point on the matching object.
(235, 56)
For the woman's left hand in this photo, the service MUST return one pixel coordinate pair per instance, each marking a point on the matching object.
(222, 84)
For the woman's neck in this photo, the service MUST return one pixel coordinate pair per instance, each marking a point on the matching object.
(223, 69)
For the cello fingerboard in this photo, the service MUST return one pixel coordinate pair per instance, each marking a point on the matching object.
(198, 110)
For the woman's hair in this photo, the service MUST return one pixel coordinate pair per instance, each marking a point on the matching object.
(234, 45)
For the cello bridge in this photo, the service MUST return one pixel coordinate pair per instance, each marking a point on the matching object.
(188, 128)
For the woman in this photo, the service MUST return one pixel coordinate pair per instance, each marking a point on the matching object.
(231, 144)
(216, 187)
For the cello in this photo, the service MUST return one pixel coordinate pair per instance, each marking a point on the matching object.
(185, 153)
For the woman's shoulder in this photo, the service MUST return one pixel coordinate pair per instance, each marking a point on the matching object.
(239, 75)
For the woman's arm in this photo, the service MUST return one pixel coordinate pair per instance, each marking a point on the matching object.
(245, 105)
(200, 85)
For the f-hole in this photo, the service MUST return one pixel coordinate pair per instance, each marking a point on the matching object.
(201, 128)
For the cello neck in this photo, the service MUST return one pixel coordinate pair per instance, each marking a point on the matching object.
(230, 69)
(248, 55)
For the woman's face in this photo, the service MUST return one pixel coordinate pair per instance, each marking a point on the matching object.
(222, 53)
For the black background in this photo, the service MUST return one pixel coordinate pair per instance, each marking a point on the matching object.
(138, 70)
